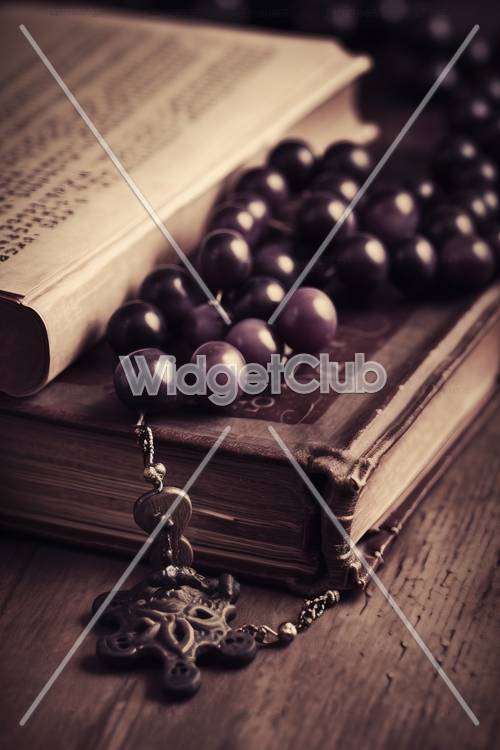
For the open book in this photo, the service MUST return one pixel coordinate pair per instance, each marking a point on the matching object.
(182, 106)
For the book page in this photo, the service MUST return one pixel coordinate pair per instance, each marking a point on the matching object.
(181, 105)
(176, 102)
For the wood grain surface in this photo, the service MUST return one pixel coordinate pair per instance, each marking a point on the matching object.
(355, 679)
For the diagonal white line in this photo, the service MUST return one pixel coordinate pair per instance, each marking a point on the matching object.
(125, 175)
(390, 599)
(124, 576)
(380, 164)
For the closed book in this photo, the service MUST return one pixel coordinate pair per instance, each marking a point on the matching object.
(71, 468)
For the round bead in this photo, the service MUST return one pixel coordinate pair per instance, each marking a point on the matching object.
(432, 69)
(135, 325)
(295, 160)
(160, 469)
(257, 298)
(275, 259)
(344, 21)
(255, 340)
(469, 114)
(151, 475)
(342, 185)
(236, 218)
(394, 16)
(308, 322)
(349, 158)
(451, 157)
(227, 359)
(477, 54)
(162, 373)
(316, 217)
(414, 265)
(258, 207)
(225, 259)
(203, 323)
(466, 263)
(362, 262)
(490, 86)
(269, 184)
(433, 32)
(424, 190)
(172, 289)
(472, 201)
(391, 214)
(480, 171)
(287, 632)
(445, 221)
(491, 199)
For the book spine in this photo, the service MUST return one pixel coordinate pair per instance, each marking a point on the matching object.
(339, 482)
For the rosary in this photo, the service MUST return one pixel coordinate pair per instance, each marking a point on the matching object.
(175, 614)
(435, 233)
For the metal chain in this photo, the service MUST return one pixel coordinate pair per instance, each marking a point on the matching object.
(153, 472)
(312, 610)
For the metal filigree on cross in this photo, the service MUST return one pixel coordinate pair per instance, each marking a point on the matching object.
(174, 616)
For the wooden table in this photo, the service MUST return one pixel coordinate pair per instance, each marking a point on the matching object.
(355, 680)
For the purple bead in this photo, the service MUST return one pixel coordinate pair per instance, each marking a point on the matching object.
(342, 185)
(173, 290)
(347, 158)
(162, 379)
(433, 32)
(227, 359)
(470, 114)
(391, 18)
(275, 259)
(136, 325)
(466, 263)
(481, 171)
(491, 200)
(308, 322)
(236, 218)
(490, 87)
(344, 21)
(391, 214)
(295, 160)
(362, 263)
(414, 265)
(316, 217)
(477, 54)
(257, 298)
(424, 190)
(255, 340)
(269, 184)
(445, 221)
(225, 259)
(203, 323)
(430, 70)
(258, 207)
(472, 201)
(450, 158)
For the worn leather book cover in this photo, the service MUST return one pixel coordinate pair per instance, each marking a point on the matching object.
(71, 468)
